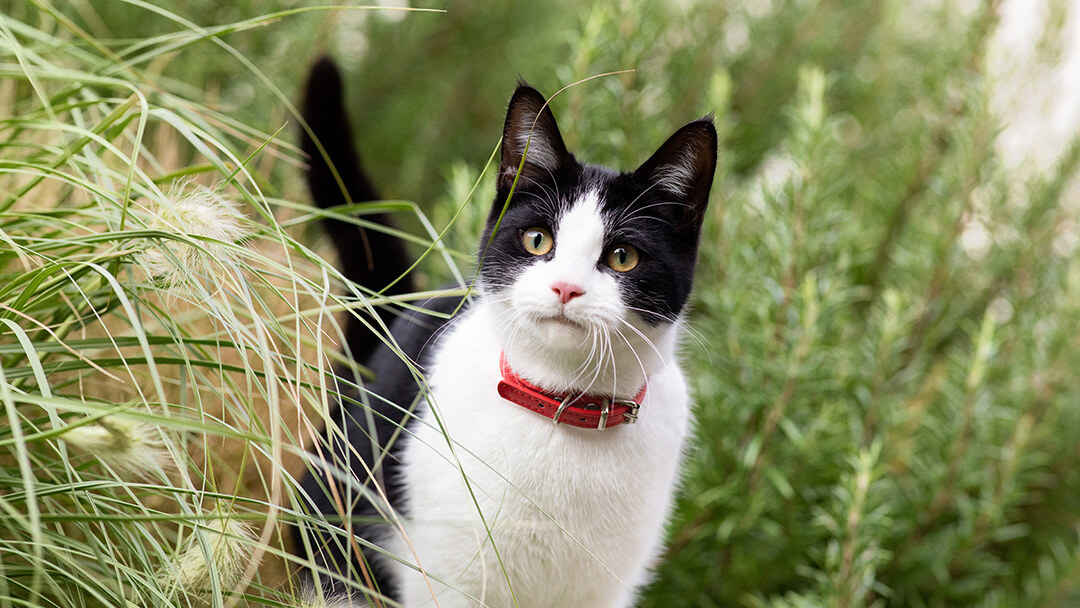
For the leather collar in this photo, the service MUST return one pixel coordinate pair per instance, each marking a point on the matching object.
(583, 411)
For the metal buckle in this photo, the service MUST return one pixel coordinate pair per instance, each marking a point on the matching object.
(629, 416)
(565, 401)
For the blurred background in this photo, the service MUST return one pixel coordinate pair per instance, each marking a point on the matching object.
(883, 342)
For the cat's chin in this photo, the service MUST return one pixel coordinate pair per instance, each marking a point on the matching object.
(560, 332)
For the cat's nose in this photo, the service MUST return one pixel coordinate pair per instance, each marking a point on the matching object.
(566, 291)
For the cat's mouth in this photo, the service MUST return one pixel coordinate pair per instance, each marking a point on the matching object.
(562, 320)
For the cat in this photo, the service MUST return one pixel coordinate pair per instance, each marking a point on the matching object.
(536, 464)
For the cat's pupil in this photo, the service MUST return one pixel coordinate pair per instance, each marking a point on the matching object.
(538, 239)
(620, 255)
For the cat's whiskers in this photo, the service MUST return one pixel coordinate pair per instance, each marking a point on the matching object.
(614, 363)
(637, 214)
(598, 359)
(641, 364)
(603, 359)
(595, 338)
(552, 200)
(547, 201)
(433, 338)
(555, 183)
(494, 297)
(644, 338)
(628, 208)
(646, 313)
(583, 367)
(697, 337)
(596, 349)
(694, 334)
(518, 325)
(598, 339)
(632, 214)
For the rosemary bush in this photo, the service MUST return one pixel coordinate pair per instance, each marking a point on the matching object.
(883, 345)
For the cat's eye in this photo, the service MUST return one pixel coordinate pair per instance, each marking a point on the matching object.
(537, 241)
(623, 258)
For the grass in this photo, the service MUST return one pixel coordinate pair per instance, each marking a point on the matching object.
(885, 309)
(165, 333)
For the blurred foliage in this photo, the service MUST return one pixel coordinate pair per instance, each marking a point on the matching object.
(884, 345)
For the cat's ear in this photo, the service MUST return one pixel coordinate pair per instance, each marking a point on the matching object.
(684, 166)
(530, 131)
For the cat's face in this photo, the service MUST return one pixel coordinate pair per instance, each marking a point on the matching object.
(583, 256)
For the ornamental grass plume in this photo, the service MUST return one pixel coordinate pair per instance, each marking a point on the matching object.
(205, 222)
(220, 547)
(311, 598)
(130, 448)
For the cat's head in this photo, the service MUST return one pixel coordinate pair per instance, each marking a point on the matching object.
(578, 250)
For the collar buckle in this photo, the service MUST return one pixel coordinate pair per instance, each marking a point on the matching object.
(631, 414)
(605, 409)
(565, 401)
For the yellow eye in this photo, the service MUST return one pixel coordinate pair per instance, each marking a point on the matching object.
(623, 258)
(537, 241)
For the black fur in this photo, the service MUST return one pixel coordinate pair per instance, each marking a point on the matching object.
(370, 434)
(370, 258)
(373, 260)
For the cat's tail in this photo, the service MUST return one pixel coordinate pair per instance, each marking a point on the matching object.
(370, 258)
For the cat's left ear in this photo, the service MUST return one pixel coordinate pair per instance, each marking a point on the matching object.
(684, 166)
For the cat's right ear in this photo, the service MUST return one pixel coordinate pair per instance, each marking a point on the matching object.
(530, 132)
(683, 167)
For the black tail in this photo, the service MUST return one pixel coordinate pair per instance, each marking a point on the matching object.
(370, 258)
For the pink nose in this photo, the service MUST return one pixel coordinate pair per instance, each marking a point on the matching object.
(566, 291)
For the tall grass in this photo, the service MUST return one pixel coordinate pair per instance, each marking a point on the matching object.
(885, 311)
(165, 340)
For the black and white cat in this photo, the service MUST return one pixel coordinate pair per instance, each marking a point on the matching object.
(584, 273)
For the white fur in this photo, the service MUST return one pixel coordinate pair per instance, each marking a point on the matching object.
(540, 152)
(677, 176)
(575, 515)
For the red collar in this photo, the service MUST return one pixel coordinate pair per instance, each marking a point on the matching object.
(584, 411)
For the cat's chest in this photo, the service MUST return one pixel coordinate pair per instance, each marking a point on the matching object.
(518, 459)
(497, 493)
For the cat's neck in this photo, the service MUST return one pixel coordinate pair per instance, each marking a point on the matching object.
(615, 366)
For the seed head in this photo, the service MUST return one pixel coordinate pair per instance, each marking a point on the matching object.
(313, 599)
(226, 553)
(128, 447)
(198, 212)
